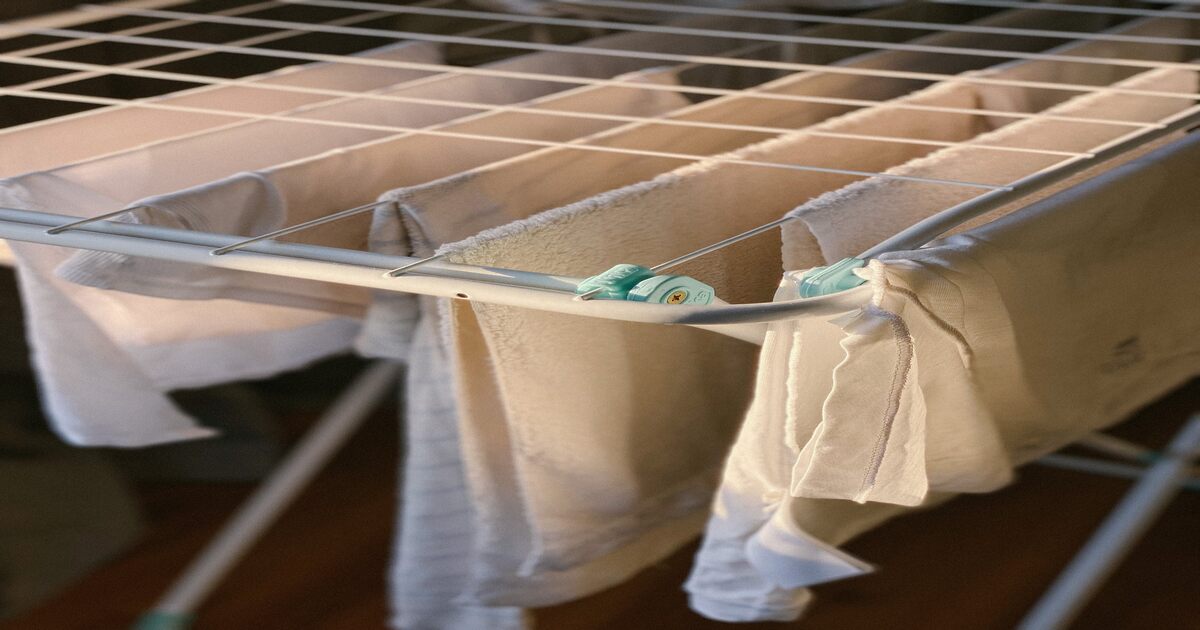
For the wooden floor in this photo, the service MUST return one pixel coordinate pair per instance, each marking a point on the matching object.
(976, 563)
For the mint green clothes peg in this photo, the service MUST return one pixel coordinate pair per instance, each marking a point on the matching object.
(672, 290)
(831, 279)
(639, 284)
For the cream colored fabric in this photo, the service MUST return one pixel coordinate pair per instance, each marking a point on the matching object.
(960, 456)
(683, 204)
(167, 343)
(636, 445)
(439, 557)
(104, 359)
(790, 464)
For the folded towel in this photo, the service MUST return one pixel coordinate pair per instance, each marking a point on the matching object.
(828, 466)
(634, 449)
(829, 438)
(587, 499)
(439, 558)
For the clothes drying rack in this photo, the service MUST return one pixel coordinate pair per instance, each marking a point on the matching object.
(434, 276)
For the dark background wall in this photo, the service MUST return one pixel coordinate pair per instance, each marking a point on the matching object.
(10, 9)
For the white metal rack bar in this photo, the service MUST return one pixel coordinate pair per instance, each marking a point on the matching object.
(438, 277)
(1116, 537)
(100, 70)
(579, 49)
(347, 413)
(772, 37)
(566, 79)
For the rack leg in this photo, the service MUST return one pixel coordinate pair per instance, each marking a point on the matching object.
(174, 610)
(1117, 535)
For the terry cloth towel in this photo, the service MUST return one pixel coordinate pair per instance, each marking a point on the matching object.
(582, 238)
(104, 359)
(170, 344)
(436, 549)
(1086, 356)
(727, 582)
(594, 474)
(742, 571)
(433, 214)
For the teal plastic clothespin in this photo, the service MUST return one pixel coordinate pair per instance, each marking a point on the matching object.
(639, 284)
(831, 279)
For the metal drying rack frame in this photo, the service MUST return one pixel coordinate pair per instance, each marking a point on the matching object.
(435, 276)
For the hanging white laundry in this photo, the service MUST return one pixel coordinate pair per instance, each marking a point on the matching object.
(235, 340)
(428, 575)
(593, 235)
(955, 438)
(561, 482)
(105, 360)
(727, 582)
(758, 545)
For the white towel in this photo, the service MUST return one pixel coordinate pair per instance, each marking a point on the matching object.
(106, 359)
(1030, 332)
(727, 581)
(813, 443)
(641, 223)
(595, 474)
(1038, 328)
(436, 548)
(211, 340)
(427, 572)
(825, 471)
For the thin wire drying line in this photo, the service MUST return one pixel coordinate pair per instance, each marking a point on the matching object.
(54, 96)
(703, 251)
(577, 49)
(187, 53)
(247, 41)
(178, 56)
(1073, 8)
(738, 34)
(487, 107)
(139, 30)
(885, 23)
(82, 222)
(571, 80)
(329, 218)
